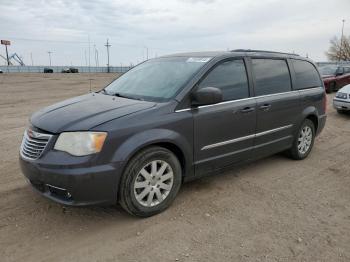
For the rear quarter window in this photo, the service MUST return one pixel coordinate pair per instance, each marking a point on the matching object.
(306, 75)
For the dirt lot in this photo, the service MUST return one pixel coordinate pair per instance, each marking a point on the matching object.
(273, 210)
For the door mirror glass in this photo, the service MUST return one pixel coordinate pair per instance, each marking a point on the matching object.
(206, 96)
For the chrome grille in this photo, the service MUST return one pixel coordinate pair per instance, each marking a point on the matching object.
(33, 144)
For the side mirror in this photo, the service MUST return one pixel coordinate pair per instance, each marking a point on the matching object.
(206, 96)
(339, 72)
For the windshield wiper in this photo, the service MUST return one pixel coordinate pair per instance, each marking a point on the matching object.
(128, 97)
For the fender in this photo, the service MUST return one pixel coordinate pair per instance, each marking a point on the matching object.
(307, 112)
(146, 138)
(310, 110)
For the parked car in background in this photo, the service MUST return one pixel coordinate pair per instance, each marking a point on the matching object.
(73, 70)
(1, 72)
(341, 101)
(173, 119)
(70, 70)
(48, 70)
(334, 77)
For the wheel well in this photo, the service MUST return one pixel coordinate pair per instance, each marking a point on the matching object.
(314, 120)
(176, 151)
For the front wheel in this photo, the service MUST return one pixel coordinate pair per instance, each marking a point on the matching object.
(304, 141)
(150, 182)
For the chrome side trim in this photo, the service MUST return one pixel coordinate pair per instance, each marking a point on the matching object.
(248, 98)
(228, 142)
(227, 102)
(183, 110)
(221, 103)
(273, 130)
(239, 139)
(56, 187)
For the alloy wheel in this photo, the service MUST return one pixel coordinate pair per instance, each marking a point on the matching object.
(305, 140)
(153, 183)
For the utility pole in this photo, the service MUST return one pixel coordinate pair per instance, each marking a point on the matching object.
(108, 46)
(49, 52)
(31, 58)
(97, 60)
(341, 39)
(6, 43)
(7, 56)
(86, 62)
(96, 56)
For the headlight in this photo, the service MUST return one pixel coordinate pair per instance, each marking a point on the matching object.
(80, 143)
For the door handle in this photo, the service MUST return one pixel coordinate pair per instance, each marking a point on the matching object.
(247, 109)
(265, 107)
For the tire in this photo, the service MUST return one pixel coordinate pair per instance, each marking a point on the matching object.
(340, 111)
(298, 151)
(144, 196)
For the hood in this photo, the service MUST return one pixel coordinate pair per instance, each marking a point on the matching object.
(85, 112)
(345, 89)
(327, 76)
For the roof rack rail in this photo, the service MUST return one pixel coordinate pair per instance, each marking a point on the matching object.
(262, 51)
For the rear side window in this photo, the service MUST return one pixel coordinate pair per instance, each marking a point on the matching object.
(271, 76)
(230, 77)
(306, 75)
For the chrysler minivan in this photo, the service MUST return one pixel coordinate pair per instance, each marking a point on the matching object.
(169, 120)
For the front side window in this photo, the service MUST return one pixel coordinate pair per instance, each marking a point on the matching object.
(230, 77)
(271, 76)
(157, 79)
(306, 74)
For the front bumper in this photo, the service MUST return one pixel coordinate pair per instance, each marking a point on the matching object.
(341, 104)
(74, 186)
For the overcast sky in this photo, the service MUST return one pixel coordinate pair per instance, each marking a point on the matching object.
(64, 27)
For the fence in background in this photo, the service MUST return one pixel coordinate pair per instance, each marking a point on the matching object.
(58, 69)
(347, 63)
(93, 69)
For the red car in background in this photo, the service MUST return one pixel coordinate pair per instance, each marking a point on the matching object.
(335, 76)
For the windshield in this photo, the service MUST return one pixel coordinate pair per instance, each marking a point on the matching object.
(157, 79)
(328, 70)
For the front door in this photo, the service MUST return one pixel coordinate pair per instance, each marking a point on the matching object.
(224, 132)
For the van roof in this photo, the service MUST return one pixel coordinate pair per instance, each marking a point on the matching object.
(237, 52)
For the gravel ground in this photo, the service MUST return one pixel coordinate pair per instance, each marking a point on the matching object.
(275, 209)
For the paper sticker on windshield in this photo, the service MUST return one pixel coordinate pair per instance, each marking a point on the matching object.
(198, 59)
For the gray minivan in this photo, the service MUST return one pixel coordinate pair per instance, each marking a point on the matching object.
(170, 120)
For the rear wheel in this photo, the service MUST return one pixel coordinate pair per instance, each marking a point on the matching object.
(150, 182)
(304, 141)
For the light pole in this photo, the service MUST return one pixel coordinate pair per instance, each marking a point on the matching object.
(31, 58)
(107, 45)
(341, 40)
(49, 52)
